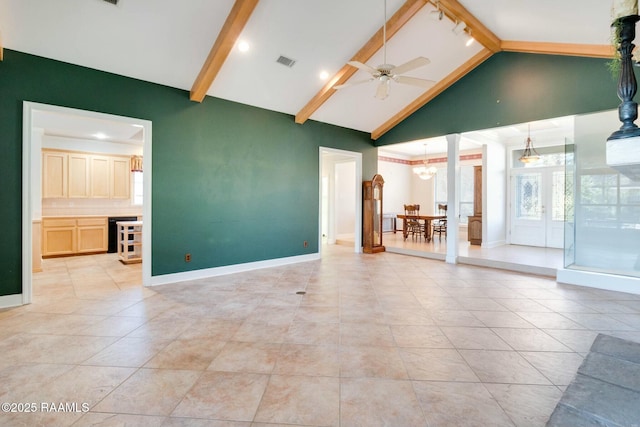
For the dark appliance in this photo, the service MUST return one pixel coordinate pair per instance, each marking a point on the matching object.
(113, 231)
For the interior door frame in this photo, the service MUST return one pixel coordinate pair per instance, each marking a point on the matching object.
(29, 183)
(357, 158)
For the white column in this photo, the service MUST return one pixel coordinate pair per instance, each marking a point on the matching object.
(453, 196)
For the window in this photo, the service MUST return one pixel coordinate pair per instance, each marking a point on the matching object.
(137, 188)
(465, 207)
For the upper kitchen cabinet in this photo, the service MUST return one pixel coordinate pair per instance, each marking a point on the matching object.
(55, 171)
(85, 175)
(120, 178)
(78, 176)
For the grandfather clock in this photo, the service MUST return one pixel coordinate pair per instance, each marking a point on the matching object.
(372, 221)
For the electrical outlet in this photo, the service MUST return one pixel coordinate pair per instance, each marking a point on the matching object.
(187, 257)
(305, 244)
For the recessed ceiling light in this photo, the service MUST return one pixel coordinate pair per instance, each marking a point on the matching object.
(324, 75)
(243, 46)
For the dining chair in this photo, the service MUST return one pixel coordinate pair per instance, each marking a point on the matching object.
(440, 225)
(413, 226)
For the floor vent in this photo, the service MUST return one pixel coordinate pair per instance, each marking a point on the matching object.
(112, 1)
(286, 61)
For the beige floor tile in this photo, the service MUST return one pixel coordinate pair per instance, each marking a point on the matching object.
(313, 401)
(459, 404)
(372, 362)
(436, 365)
(119, 420)
(128, 352)
(474, 338)
(502, 367)
(314, 360)
(239, 356)
(149, 392)
(313, 333)
(375, 402)
(366, 334)
(261, 332)
(526, 405)
(420, 336)
(560, 368)
(223, 396)
(371, 342)
(193, 354)
(530, 340)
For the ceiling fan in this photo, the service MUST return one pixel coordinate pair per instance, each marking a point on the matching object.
(385, 72)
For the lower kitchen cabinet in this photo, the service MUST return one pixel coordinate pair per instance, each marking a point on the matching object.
(70, 236)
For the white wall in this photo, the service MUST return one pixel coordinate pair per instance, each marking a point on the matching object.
(494, 195)
(345, 195)
(397, 186)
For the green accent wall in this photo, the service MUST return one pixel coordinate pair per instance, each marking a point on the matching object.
(511, 88)
(231, 183)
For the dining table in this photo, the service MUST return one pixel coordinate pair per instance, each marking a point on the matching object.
(427, 223)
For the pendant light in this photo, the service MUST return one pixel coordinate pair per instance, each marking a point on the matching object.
(425, 172)
(530, 155)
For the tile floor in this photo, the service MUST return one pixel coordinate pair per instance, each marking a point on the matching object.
(376, 340)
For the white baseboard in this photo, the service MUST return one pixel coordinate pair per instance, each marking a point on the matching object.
(609, 282)
(8, 301)
(165, 279)
(494, 244)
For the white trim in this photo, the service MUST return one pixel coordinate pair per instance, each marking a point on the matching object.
(357, 157)
(8, 301)
(165, 279)
(597, 280)
(28, 108)
(494, 244)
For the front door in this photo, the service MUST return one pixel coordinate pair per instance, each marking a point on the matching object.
(537, 207)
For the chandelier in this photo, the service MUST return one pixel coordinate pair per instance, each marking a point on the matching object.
(425, 171)
(530, 155)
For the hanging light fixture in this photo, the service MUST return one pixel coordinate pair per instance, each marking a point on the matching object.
(530, 155)
(425, 172)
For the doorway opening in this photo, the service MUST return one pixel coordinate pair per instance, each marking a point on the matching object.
(340, 198)
(80, 121)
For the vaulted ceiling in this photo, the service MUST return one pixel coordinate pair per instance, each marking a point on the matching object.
(194, 45)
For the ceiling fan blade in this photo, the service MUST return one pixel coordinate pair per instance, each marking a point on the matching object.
(383, 90)
(420, 61)
(363, 67)
(357, 82)
(414, 81)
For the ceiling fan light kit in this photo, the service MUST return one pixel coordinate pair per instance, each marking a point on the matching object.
(385, 72)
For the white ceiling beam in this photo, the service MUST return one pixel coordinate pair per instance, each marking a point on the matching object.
(237, 19)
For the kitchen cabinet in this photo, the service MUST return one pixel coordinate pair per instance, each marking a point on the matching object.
(58, 236)
(78, 175)
(120, 177)
(73, 235)
(100, 177)
(92, 235)
(54, 174)
(85, 175)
